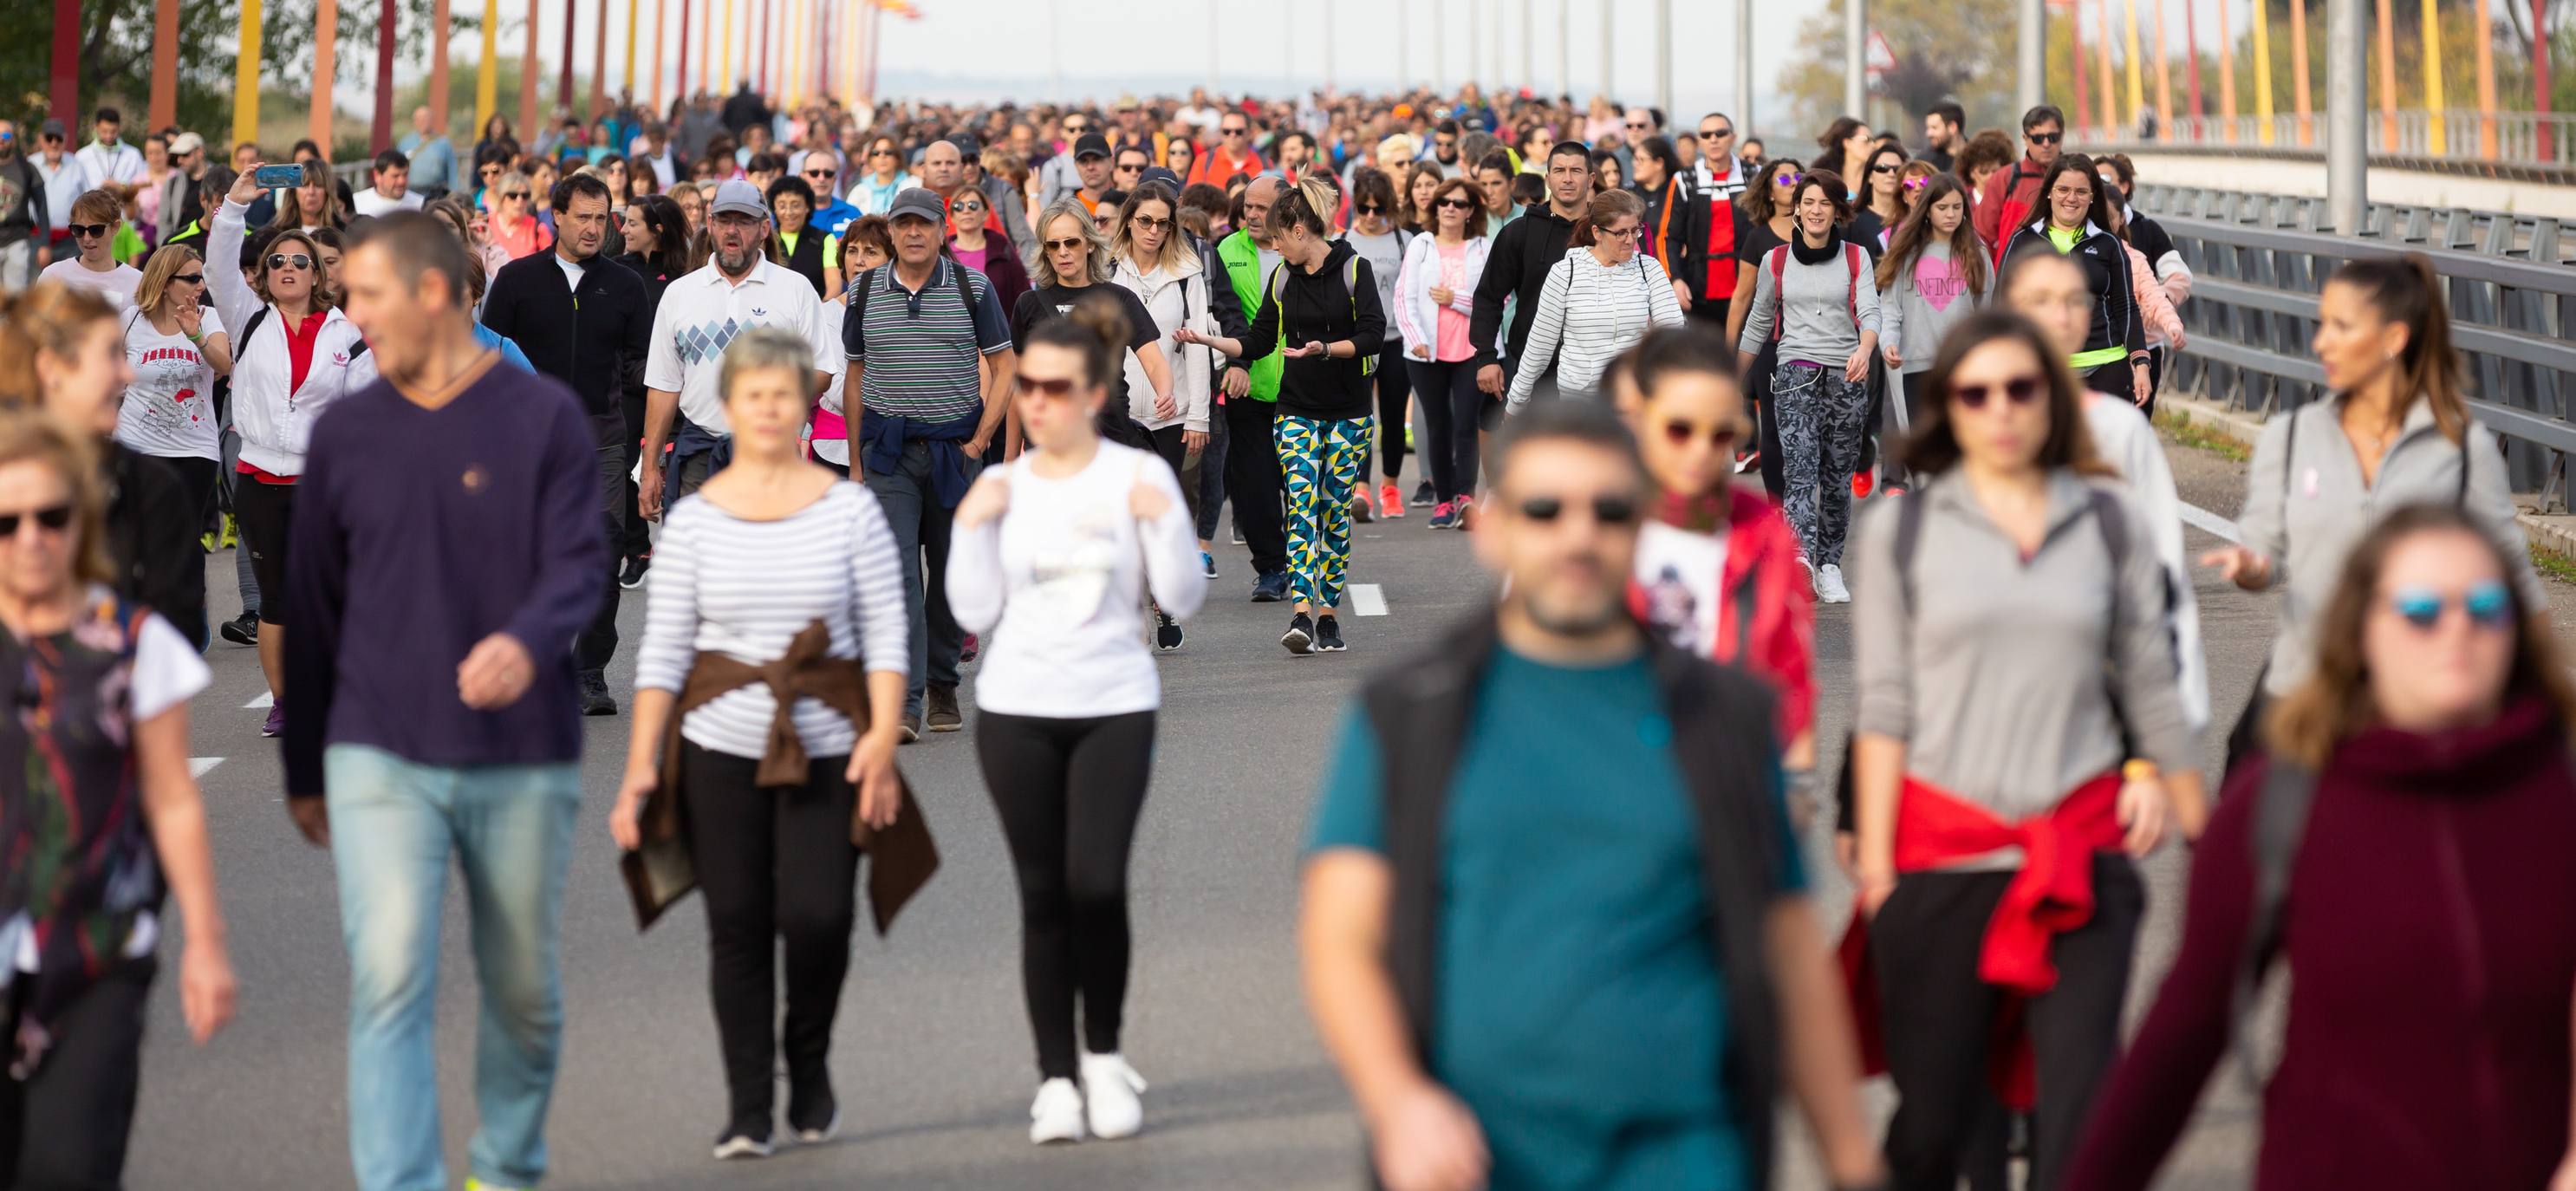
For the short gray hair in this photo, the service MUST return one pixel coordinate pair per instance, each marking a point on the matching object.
(760, 349)
(1091, 234)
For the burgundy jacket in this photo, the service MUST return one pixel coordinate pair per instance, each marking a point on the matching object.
(2431, 936)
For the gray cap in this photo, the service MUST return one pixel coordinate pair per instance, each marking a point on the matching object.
(967, 146)
(52, 128)
(738, 198)
(918, 201)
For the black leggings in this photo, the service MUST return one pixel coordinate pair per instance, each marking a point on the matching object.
(1394, 392)
(774, 864)
(1766, 425)
(266, 511)
(1452, 408)
(66, 1126)
(1069, 792)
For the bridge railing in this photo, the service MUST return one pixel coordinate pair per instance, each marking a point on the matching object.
(2259, 264)
(2501, 139)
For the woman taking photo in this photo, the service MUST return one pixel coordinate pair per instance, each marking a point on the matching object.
(2419, 781)
(974, 244)
(176, 347)
(1435, 301)
(2396, 431)
(294, 353)
(1056, 550)
(775, 561)
(2076, 224)
(1816, 309)
(797, 247)
(1599, 298)
(1374, 234)
(2013, 548)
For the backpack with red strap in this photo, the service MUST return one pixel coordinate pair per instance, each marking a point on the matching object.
(1778, 262)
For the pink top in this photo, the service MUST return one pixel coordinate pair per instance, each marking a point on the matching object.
(1450, 343)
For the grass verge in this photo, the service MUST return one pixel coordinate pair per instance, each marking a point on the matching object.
(2180, 428)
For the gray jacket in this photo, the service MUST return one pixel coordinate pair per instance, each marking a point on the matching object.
(1994, 675)
(1822, 313)
(2306, 505)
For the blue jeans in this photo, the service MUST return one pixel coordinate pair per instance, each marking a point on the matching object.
(921, 526)
(394, 825)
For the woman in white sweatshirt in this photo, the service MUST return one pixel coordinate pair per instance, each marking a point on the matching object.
(1055, 554)
(1435, 300)
(293, 354)
(1149, 256)
(1598, 301)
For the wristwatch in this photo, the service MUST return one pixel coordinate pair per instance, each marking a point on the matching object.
(2139, 770)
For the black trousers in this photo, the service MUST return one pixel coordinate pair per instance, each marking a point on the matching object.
(64, 1128)
(598, 639)
(1069, 793)
(1937, 1015)
(1252, 481)
(1766, 427)
(774, 865)
(1394, 393)
(265, 512)
(197, 477)
(636, 538)
(1168, 445)
(1452, 410)
(2114, 378)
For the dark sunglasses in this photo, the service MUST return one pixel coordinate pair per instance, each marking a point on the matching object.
(490, 170)
(1074, 242)
(1457, 204)
(52, 518)
(1232, 131)
(2020, 390)
(2489, 605)
(1717, 135)
(1055, 390)
(1368, 208)
(84, 231)
(280, 260)
(1606, 510)
(1883, 168)
(520, 195)
(190, 278)
(2044, 138)
(1151, 223)
(1679, 432)
(1131, 167)
(825, 175)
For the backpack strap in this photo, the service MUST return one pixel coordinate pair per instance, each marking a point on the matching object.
(252, 327)
(2115, 527)
(2280, 825)
(965, 289)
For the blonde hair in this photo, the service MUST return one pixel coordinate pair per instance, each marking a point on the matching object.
(1098, 252)
(47, 318)
(154, 289)
(761, 349)
(28, 434)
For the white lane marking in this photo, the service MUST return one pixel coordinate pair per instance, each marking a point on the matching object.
(197, 766)
(265, 699)
(2200, 518)
(1367, 600)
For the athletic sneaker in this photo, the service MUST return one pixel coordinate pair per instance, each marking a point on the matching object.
(475, 1184)
(1237, 535)
(241, 630)
(1829, 585)
(1270, 588)
(1748, 461)
(1207, 564)
(632, 576)
(1167, 632)
(1466, 512)
(1445, 515)
(1328, 634)
(971, 649)
(813, 1113)
(911, 729)
(1390, 501)
(276, 723)
(595, 699)
(1862, 482)
(1423, 497)
(1300, 637)
(1109, 1089)
(1360, 511)
(943, 709)
(745, 1138)
(1057, 1113)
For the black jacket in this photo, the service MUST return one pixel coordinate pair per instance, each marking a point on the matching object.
(152, 540)
(1323, 306)
(27, 217)
(593, 339)
(2105, 261)
(1522, 254)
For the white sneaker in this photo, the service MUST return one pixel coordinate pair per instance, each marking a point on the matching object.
(1057, 1114)
(1829, 585)
(1109, 1088)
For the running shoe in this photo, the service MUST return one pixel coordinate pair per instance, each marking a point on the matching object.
(1109, 1091)
(1862, 482)
(1167, 632)
(1829, 585)
(1328, 634)
(632, 575)
(1423, 496)
(595, 699)
(275, 725)
(1445, 515)
(1300, 637)
(1466, 512)
(241, 630)
(1207, 564)
(1270, 588)
(1237, 535)
(971, 650)
(1389, 501)
(1748, 461)
(475, 1184)
(943, 710)
(232, 533)
(912, 729)
(1360, 510)
(1057, 1114)
(813, 1113)
(745, 1138)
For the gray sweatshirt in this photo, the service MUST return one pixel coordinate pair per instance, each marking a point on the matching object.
(1996, 681)
(2305, 507)
(1918, 320)
(1817, 313)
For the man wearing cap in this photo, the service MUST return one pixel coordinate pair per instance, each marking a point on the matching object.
(113, 165)
(738, 289)
(1132, 126)
(1091, 157)
(998, 196)
(25, 223)
(66, 179)
(930, 357)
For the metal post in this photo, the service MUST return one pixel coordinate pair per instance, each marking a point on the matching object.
(1564, 49)
(1664, 58)
(2347, 114)
(1855, 50)
(1609, 10)
(1529, 47)
(2030, 53)
(1743, 71)
(1328, 45)
(1055, 56)
(1057, 93)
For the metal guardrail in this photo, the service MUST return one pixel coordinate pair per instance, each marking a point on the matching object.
(2543, 239)
(2260, 262)
(2503, 140)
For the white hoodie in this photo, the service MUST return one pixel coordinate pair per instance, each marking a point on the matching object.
(1176, 298)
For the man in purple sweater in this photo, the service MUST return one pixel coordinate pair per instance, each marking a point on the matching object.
(447, 549)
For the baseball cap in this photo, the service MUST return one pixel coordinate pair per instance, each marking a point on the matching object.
(1160, 174)
(1092, 144)
(52, 128)
(186, 143)
(967, 146)
(738, 198)
(919, 201)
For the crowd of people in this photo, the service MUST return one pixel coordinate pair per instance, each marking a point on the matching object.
(450, 416)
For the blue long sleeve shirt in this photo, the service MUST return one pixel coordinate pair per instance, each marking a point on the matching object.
(418, 533)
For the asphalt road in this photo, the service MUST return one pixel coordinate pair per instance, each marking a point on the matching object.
(934, 1065)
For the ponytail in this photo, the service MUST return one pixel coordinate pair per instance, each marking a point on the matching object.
(2405, 289)
(1308, 204)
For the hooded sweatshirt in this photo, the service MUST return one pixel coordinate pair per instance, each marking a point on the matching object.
(1322, 306)
(1517, 267)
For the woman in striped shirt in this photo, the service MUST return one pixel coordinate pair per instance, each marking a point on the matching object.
(1598, 301)
(771, 546)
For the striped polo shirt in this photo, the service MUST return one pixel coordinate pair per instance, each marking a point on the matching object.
(919, 350)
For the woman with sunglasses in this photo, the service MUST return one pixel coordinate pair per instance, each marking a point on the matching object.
(2075, 222)
(1150, 258)
(2399, 846)
(96, 217)
(885, 178)
(295, 355)
(1435, 302)
(513, 225)
(795, 244)
(1374, 234)
(1886, 203)
(977, 244)
(2017, 685)
(176, 347)
(2396, 430)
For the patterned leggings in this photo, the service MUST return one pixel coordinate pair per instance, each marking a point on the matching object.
(1822, 421)
(1319, 464)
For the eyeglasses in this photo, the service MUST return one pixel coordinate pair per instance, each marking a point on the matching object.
(2489, 605)
(1715, 134)
(1151, 223)
(2020, 390)
(190, 278)
(1606, 510)
(1068, 242)
(1455, 204)
(1054, 389)
(281, 260)
(1618, 234)
(2079, 193)
(84, 231)
(51, 519)
(2043, 138)
(1680, 432)
(1232, 131)
(490, 170)
(881, 153)
(1917, 183)
(516, 195)
(1636, 126)
(1131, 167)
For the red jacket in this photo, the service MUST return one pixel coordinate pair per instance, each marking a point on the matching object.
(1766, 615)
(2007, 202)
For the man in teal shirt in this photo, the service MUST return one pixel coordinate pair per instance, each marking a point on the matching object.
(1518, 951)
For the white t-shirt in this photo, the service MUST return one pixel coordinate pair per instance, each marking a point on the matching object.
(371, 202)
(702, 312)
(1682, 574)
(169, 409)
(63, 184)
(116, 285)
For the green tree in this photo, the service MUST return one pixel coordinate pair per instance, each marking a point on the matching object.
(1944, 49)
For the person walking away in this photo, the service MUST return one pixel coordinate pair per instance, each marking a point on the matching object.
(96, 216)
(453, 474)
(25, 222)
(1374, 235)
(109, 825)
(776, 562)
(2012, 198)
(584, 321)
(1517, 267)
(2002, 784)
(1932, 276)
(1319, 310)
(1600, 298)
(1813, 303)
(1653, 1062)
(931, 408)
(1056, 551)
(2396, 431)
(1434, 310)
(1250, 390)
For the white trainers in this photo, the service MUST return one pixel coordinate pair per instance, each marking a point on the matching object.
(1829, 585)
(1109, 1090)
(1057, 1114)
